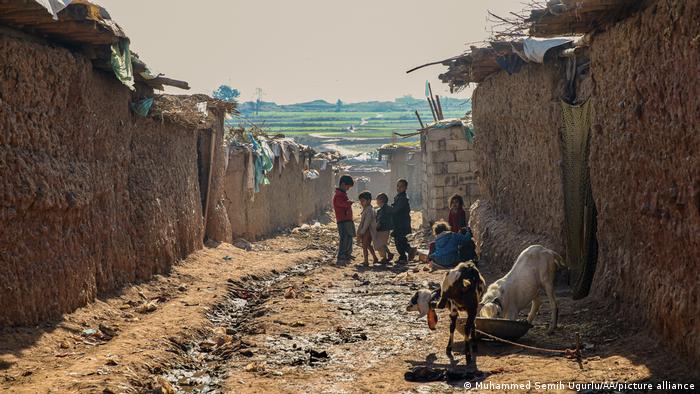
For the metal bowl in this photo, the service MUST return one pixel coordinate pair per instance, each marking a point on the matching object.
(502, 328)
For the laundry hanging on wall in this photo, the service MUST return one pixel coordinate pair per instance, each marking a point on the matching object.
(142, 107)
(579, 206)
(121, 63)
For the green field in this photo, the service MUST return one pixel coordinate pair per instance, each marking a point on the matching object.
(351, 128)
(330, 130)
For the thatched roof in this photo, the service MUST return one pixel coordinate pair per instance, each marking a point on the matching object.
(564, 17)
(81, 26)
(553, 18)
(197, 111)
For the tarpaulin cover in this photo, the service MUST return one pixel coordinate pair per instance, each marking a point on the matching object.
(535, 48)
(54, 6)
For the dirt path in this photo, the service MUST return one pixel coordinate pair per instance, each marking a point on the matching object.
(283, 318)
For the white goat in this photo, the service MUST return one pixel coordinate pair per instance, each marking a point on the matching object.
(533, 270)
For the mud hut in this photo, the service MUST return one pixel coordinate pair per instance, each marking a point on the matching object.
(103, 183)
(591, 149)
(405, 162)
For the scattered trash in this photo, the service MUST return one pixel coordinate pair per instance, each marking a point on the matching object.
(89, 332)
(147, 308)
(107, 330)
(316, 356)
(425, 374)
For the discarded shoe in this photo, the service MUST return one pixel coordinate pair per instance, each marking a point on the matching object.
(425, 374)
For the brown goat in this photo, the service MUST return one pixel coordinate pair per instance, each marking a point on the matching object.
(461, 291)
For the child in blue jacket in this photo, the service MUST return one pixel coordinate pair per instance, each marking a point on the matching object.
(447, 246)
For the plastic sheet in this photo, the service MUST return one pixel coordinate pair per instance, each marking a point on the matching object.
(54, 6)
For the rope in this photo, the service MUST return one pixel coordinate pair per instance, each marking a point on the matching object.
(571, 353)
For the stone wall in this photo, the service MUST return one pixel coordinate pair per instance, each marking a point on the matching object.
(645, 169)
(449, 165)
(91, 196)
(290, 200)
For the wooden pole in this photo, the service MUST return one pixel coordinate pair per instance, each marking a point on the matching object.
(432, 110)
(437, 113)
(439, 106)
(419, 120)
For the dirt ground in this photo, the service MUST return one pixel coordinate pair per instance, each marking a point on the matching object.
(282, 317)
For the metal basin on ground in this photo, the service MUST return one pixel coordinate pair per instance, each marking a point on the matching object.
(502, 328)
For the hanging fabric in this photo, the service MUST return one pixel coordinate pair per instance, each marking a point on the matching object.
(121, 63)
(469, 134)
(142, 107)
(250, 170)
(579, 207)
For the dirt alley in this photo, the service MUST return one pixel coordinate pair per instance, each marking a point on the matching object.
(282, 317)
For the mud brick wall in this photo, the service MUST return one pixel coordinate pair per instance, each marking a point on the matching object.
(449, 165)
(407, 164)
(289, 200)
(645, 169)
(218, 224)
(379, 182)
(498, 239)
(91, 197)
(518, 122)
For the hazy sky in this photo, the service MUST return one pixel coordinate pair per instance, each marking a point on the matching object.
(305, 49)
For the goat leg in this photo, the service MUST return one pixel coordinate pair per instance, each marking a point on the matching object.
(469, 327)
(453, 325)
(549, 290)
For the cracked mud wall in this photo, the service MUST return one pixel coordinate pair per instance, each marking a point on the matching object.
(645, 169)
(518, 120)
(91, 197)
(289, 200)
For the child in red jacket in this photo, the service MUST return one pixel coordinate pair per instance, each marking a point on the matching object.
(343, 216)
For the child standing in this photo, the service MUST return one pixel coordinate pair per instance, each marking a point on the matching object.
(343, 216)
(384, 226)
(458, 217)
(401, 210)
(367, 230)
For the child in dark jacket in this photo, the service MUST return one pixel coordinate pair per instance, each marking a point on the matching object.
(343, 216)
(402, 222)
(384, 226)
